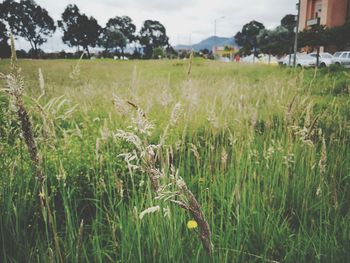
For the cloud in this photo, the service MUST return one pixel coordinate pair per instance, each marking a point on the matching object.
(155, 5)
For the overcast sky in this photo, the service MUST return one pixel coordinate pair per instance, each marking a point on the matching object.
(186, 21)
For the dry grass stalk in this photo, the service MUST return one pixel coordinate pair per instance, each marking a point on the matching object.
(41, 82)
(322, 166)
(323, 160)
(289, 112)
(176, 189)
(133, 85)
(79, 240)
(75, 74)
(189, 70)
(224, 157)
(195, 210)
(15, 87)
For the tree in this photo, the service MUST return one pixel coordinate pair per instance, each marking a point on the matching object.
(28, 20)
(79, 29)
(314, 37)
(158, 53)
(289, 22)
(340, 36)
(247, 37)
(274, 42)
(113, 38)
(152, 35)
(5, 50)
(120, 31)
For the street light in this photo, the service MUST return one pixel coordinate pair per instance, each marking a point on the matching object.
(296, 35)
(215, 20)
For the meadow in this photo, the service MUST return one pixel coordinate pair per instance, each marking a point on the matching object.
(264, 150)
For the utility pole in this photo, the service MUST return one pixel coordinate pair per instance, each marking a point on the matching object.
(296, 35)
(318, 47)
(215, 20)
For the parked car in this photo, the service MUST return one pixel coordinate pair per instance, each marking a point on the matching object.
(342, 58)
(302, 60)
(260, 59)
(325, 59)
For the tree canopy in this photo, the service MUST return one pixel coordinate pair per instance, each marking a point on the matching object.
(247, 37)
(5, 50)
(79, 29)
(314, 37)
(339, 36)
(119, 32)
(289, 22)
(28, 20)
(274, 42)
(152, 35)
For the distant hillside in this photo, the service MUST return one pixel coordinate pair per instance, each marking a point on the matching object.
(209, 43)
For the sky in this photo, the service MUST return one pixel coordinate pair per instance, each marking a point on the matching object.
(186, 21)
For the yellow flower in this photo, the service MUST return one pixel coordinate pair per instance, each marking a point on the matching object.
(192, 224)
(42, 195)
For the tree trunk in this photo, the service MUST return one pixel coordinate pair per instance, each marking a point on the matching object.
(87, 51)
(33, 46)
(36, 53)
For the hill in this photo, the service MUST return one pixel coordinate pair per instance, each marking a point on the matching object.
(209, 43)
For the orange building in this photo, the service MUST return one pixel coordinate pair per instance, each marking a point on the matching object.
(331, 12)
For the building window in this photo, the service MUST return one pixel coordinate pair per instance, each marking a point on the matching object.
(317, 8)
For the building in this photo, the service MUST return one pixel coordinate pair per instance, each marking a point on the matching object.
(224, 52)
(332, 13)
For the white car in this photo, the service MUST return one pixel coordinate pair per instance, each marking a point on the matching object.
(302, 60)
(325, 59)
(342, 58)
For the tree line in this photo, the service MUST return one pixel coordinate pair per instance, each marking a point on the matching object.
(32, 22)
(254, 38)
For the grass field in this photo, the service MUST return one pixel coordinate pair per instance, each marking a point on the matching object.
(265, 150)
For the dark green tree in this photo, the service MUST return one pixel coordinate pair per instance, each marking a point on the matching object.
(158, 53)
(274, 42)
(247, 37)
(5, 50)
(340, 36)
(121, 31)
(28, 20)
(152, 35)
(79, 29)
(289, 22)
(314, 37)
(112, 39)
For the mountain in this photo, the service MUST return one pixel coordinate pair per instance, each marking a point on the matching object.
(209, 43)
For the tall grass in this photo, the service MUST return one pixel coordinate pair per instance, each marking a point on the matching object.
(265, 151)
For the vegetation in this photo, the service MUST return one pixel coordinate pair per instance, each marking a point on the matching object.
(119, 32)
(28, 20)
(264, 150)
(79, 29)
(152, 35)
(247, 37)
(5, 50)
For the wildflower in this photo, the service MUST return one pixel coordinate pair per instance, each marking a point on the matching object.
(191, 224)
(42, 195)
